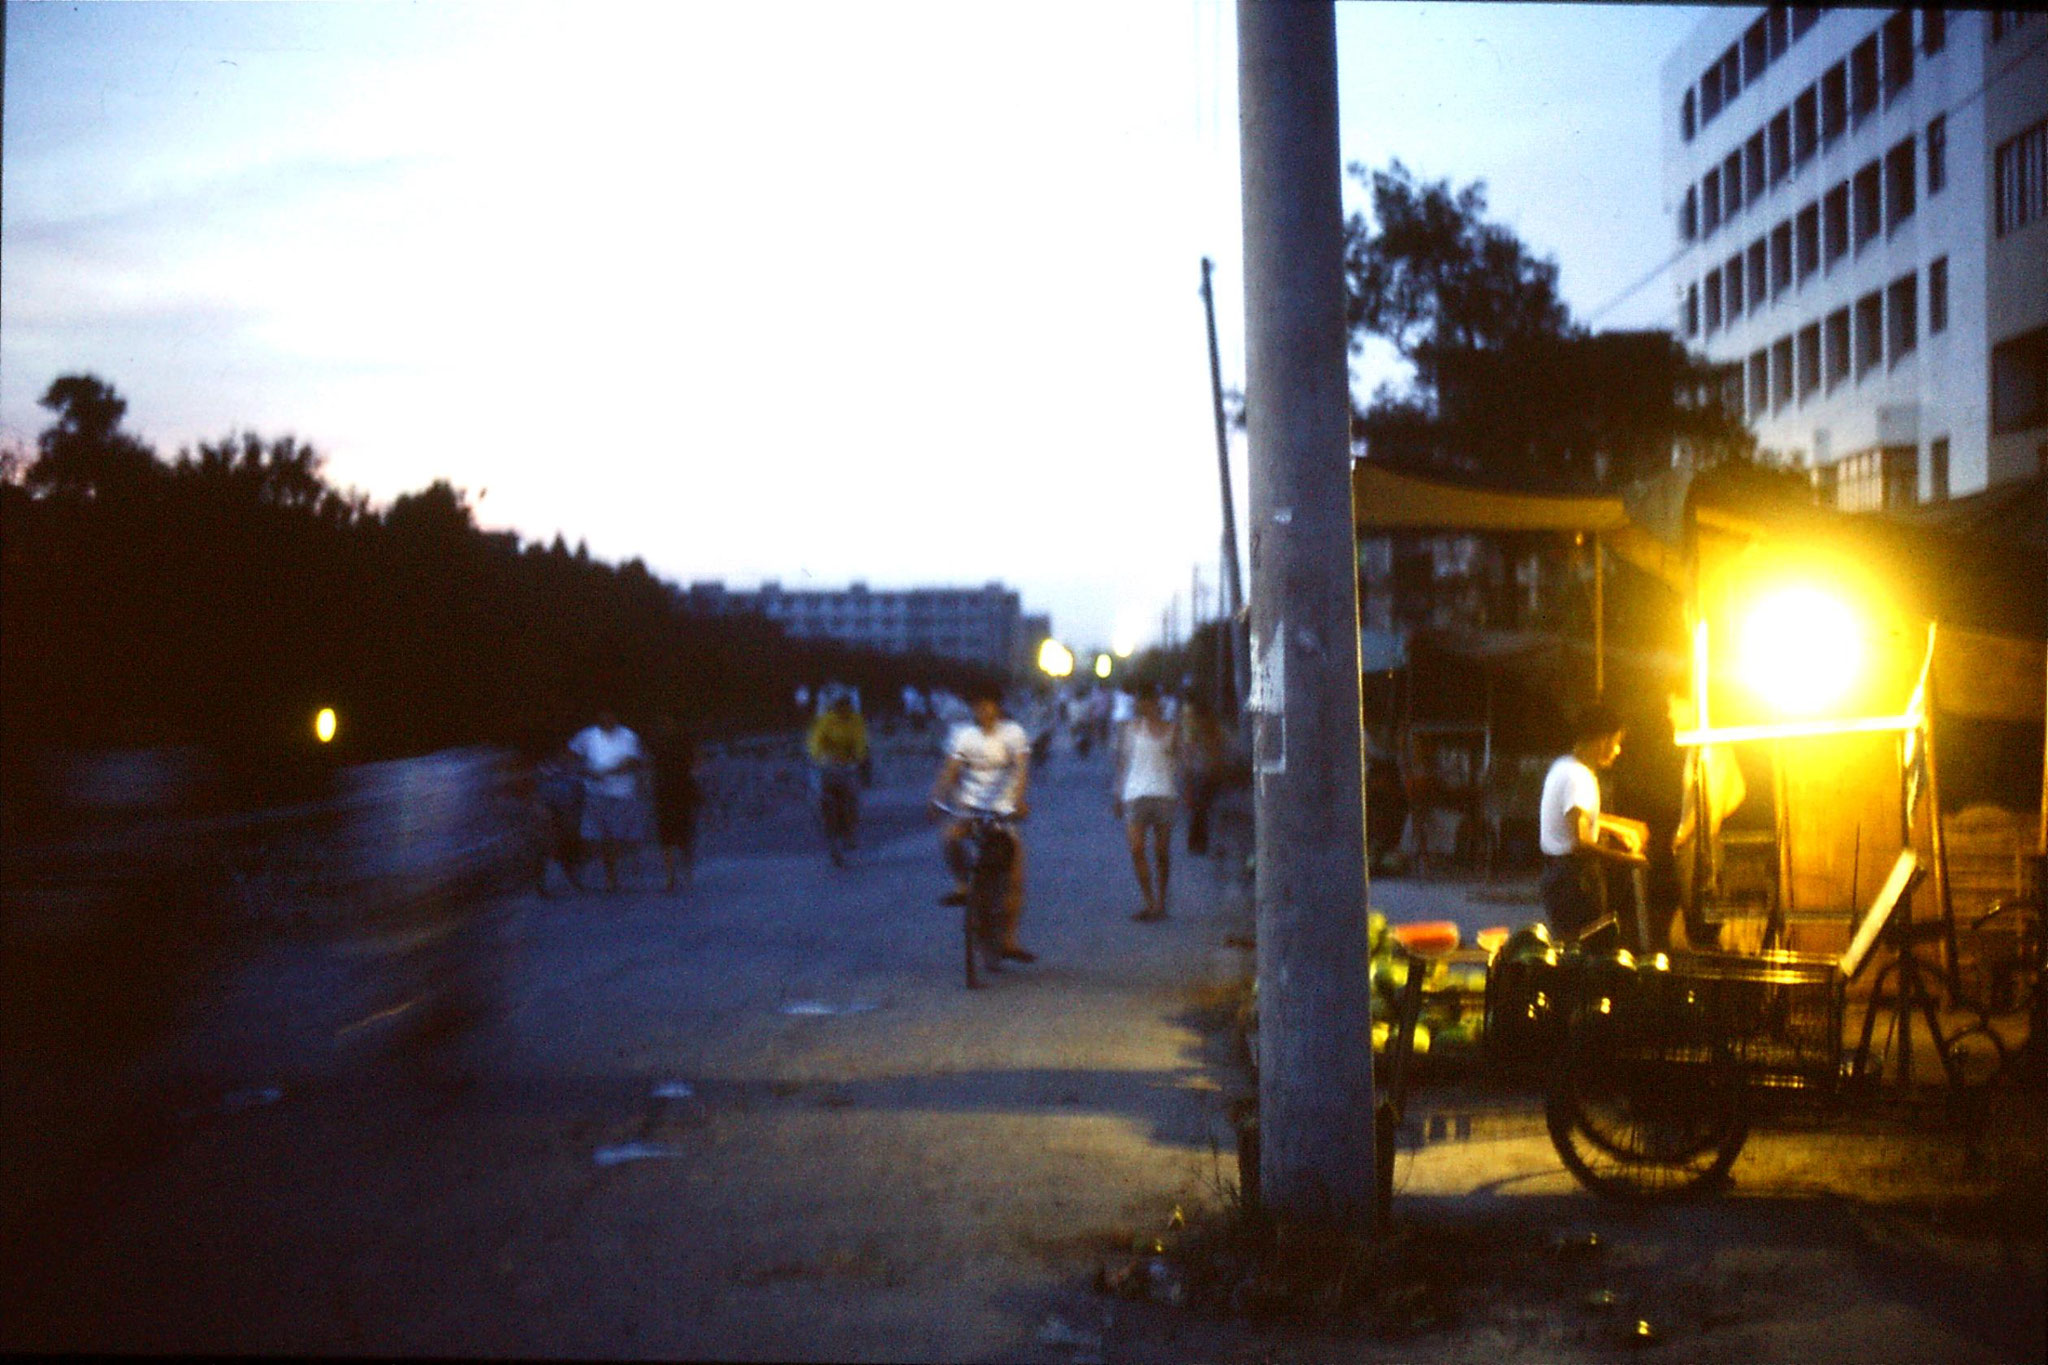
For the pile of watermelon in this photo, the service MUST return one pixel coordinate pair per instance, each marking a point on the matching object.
(1453, 1016)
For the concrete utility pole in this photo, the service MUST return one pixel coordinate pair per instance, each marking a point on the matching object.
(1315, 1029)
(1231, 586)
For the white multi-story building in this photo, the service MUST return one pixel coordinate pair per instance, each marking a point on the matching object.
(985, 625)
(1860, 198)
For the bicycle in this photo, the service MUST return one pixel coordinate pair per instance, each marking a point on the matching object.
(991, 844)
(839, 808)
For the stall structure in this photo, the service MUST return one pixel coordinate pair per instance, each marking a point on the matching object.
(1883, 682)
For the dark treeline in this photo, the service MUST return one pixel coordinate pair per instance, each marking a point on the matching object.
(221, 598)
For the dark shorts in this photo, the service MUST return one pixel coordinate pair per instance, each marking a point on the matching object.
(1574, 893)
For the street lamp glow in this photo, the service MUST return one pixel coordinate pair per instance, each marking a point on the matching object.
(1102, 665)
(324, 725)
(1055, 660)
(1800, 649)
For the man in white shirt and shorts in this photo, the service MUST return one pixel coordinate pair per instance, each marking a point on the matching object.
(612, 813)
(1570, 827)
(988, 766)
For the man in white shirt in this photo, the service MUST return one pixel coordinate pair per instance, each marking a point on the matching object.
(988, 766)
(612, 818)
(1577, 840)
(1145, 792)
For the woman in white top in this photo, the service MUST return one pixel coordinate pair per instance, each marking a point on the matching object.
(1145, 790)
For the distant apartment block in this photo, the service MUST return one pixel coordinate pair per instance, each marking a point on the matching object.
(1860, 200)
(985, 625)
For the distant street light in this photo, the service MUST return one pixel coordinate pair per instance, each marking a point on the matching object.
(324, 725)
(1055, 660)
(1102, 665)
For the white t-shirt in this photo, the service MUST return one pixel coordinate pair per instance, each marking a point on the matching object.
(1569, 785)
(1148, 762)
(991, 761)
(602, 752)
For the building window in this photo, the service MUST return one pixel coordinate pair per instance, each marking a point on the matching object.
(1731, 73)
(1898, 53)
(1755, 173)
(1710, 94)
(1937, 154)
(1933, 31)
(1899, 180)
(1759, 274)
(1834, 102)
(1863, 79)
(1837, 350)
(2019, 174)
(1781, 31)
(1902, 327)
(1867, 191)
(1803, 18)
(1805, 126)
(1937, 470)
(1869, 332)
(1713, 302)
(1756, 54)
(1780, 146)
(1809, 361)
(1731, 184)
(1692, 310)
(1731, 274)
(1834, 214)
(2019, 383)
(1686, 111)
(1759, 383)
(1710, 202)
(2004, 21)
(1689, 215)
(1872, 480)
(1937, 296)
(1781, 258)
(1807, 231)
(1781, 373)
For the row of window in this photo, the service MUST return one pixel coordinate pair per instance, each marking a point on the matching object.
(1876, 200)
(2019, 180)
(1883, 477)
(1743, 63)
(1845, 95)
(1879, 329)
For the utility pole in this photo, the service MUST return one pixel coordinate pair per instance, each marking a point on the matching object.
(1231, 585)
(1315, 1074)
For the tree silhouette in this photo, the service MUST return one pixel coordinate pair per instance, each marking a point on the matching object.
(85, 453)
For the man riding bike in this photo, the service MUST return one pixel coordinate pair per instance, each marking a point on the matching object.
(988, 767)
(838, 746)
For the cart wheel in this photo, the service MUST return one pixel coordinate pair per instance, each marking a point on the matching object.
(1645, 1130)
(1973, 1057)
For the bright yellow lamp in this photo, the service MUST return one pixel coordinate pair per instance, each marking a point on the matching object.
(1102, 665)
(324, 725)
(1055, 660)
(1799, 649)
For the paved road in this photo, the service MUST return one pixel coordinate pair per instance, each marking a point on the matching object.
(850, 1156)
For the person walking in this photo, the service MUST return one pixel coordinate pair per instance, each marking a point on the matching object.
(1204, 752)
(558, 790)
(612, 814)
(1145, 791)
(672, 761)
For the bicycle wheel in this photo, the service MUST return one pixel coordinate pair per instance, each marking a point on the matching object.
(1645, 1129)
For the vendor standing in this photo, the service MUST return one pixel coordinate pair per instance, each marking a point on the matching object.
(1579, 842)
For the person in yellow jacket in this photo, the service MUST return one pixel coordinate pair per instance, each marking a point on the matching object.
(838, 747)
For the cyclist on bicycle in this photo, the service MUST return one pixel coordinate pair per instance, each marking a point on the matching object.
(988, 767)
(838, 746)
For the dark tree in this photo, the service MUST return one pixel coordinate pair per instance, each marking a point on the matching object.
(85, 452)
